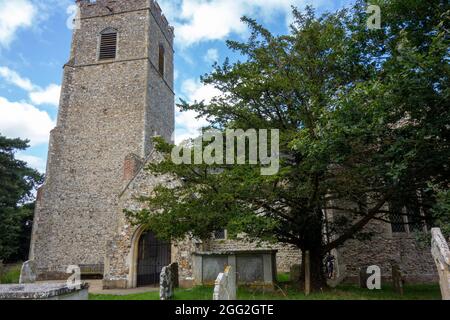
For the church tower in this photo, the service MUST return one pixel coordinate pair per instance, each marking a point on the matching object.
(117, 93)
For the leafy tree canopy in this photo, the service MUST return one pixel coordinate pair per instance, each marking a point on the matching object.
(363, 119)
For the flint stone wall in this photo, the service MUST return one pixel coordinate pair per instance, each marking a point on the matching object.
(386, 249)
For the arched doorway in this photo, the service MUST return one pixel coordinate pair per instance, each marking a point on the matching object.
(153, 255)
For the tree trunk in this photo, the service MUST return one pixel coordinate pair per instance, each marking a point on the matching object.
(317, 276)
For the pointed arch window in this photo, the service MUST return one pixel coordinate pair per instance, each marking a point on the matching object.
(108, 44)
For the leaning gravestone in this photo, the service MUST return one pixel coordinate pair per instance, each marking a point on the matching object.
(166, 284)
(225, 288)
(441, 255)
(28, 272)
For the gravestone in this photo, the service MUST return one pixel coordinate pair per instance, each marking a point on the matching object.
(225, 288)
(441, 255)
(397, 279)
(28, 272)
(166, 284)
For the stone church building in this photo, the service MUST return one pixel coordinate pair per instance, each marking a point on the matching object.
(117, 93)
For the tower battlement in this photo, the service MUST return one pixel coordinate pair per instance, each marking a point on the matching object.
(97, 8)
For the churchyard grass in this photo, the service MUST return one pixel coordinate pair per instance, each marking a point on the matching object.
(11, 274)
(287, 292)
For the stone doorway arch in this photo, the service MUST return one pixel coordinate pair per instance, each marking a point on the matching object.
(150, 255)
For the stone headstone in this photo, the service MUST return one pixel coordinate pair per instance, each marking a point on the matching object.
(225, 287)
(397, 279)
(166, 284)
(441, 255)
(28, 272)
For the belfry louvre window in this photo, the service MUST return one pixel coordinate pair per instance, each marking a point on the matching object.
(108, 44)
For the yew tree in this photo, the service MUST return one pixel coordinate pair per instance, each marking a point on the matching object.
(363, 119)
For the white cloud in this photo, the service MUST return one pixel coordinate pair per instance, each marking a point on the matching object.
(188, 125)
(14, 78)
(204, 20)
(14, 15)
(212, 55)
(49, 95)
(194, 90)
(22, 120)
(34, 162)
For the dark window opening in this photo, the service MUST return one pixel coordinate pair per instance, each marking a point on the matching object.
(220, 234)
(108, 45)
(396, 217)
(161, 60)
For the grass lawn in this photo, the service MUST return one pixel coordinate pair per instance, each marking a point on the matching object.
(11, 274)
(285, 291)
(344, 292)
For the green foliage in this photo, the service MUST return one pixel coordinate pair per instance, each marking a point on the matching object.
(441, 212)
(11, 274)
(363, 119)
(17, 184)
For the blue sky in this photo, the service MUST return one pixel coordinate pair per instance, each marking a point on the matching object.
(35, 42)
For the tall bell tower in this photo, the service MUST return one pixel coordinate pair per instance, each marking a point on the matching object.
(117, 93)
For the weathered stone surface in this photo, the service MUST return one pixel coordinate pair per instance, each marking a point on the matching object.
(28, 272)
(253, 267)
(50, 291)
(441, 255)
(225, 286)
(385, 248)
(287, 255)
(166, 285)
